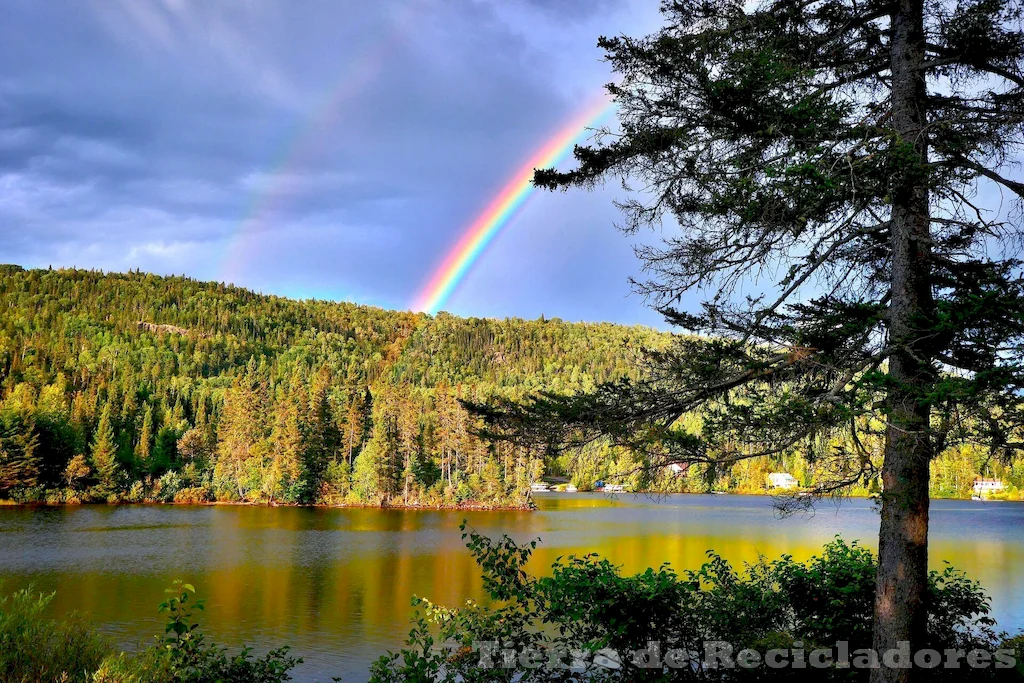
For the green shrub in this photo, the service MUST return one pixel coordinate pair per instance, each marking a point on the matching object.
(36, 648)
(167, 487)
(146, 666)
(193, 495)
(586, 605)
(190, 659)
(136, 493)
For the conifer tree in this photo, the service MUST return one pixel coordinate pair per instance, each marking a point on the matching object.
(288, 450)
(409, 442)
(324, 438)
(240, 434)
(104, 454)
(144, 446)
(165, 449)
(837, 156)
(19, 457)
(354, 432)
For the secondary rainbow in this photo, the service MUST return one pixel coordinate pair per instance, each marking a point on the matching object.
(500, 211)
(271, 197)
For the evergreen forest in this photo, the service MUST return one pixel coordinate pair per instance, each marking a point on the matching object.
(137, 388)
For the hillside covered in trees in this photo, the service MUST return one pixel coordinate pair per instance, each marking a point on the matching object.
(133, 387)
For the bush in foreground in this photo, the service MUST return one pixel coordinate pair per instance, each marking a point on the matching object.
(588, 622)
(34, 649)
(585, 613)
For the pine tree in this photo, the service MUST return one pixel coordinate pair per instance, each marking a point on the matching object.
(288, 450)
(409, 430)
(240, 435)
(144, 446)
(165, 449)
(324, 438)
(19, 458)
(357, 420)
(104, 454)
(846, 146)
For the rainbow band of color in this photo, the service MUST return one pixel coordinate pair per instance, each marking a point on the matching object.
(353, 76)
(482, 231)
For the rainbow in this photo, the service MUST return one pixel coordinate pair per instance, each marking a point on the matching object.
(500, 211)
(353, 77)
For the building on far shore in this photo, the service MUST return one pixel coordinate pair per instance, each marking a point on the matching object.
(982, 485)
(782, 480)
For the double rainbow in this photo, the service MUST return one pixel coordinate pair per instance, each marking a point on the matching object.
(500, 211)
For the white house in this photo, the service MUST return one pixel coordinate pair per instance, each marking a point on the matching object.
(782, 480)
(677, 469)
(987, 486)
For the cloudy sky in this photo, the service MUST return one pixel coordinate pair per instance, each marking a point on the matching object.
(323, 148)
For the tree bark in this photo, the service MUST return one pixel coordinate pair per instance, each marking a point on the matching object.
(903, 533)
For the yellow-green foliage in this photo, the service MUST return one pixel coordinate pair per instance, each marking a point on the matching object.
(131, 387)
(34, 647)
(138, 388)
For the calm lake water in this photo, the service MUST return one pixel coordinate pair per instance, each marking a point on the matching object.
(336, 583)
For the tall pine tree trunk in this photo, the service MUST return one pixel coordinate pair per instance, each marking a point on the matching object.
(903, 534)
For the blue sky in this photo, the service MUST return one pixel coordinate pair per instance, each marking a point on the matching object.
(325, 148)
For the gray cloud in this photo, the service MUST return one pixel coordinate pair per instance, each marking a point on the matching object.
(324, 148)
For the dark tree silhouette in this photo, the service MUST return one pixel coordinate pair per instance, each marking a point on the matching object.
(851, 153)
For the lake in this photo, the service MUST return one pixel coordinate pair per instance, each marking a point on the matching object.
(336, 584)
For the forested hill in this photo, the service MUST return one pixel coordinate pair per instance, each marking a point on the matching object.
(137, 387)
(133, 387)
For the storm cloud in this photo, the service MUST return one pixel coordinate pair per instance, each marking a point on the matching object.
(323, 149)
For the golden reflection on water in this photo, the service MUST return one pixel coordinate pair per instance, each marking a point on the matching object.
(337, 584)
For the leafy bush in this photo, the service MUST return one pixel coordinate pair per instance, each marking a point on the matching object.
(167, 487)
(193, 495)
(136, 493)
(587, 606)
(190, 659)
(35, 648)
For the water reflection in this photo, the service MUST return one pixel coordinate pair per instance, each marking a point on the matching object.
(336, 584)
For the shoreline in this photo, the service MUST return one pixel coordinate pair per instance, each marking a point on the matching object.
(529, 506)
(471, 507)
(766, 495)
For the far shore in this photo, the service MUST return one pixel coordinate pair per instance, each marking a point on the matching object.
(231, 503)
(529, 506)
